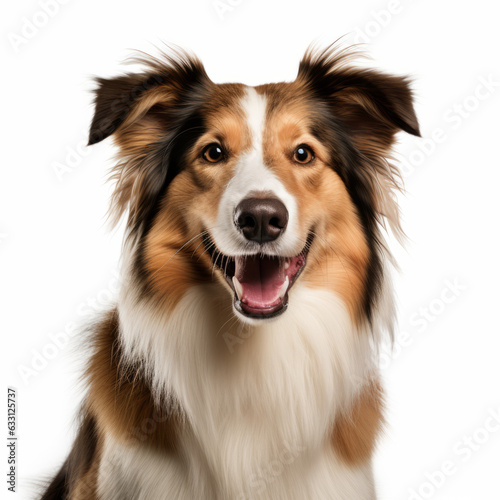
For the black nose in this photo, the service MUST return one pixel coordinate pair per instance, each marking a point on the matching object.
(261, 219)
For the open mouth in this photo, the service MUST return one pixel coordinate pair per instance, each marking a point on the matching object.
(260, 282)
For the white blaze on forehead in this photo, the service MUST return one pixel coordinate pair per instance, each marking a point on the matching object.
(254, 105)
(251, 175)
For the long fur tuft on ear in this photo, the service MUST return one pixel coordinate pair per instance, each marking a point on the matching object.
(364, 93)
(116, 98)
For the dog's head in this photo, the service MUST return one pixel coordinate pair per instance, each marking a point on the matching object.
(256, 188)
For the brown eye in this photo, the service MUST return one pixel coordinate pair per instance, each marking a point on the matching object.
(303, 154)
(213, 153)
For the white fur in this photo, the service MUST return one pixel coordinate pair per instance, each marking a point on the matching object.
(251, 175)
(134, 473)
(249, 395)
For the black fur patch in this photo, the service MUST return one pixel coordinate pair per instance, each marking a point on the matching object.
(77, 464)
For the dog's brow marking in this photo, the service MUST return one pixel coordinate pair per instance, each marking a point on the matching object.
(255, 105)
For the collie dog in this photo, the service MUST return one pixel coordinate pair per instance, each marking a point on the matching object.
(240, 361)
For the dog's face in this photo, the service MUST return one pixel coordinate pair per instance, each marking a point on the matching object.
(257, 188)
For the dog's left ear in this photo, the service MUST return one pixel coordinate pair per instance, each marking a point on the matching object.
(372, 105)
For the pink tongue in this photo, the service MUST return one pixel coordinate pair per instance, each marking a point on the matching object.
(261, 280)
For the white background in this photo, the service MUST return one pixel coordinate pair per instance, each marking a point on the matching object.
(58, 258)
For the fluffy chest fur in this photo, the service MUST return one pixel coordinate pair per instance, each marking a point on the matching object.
(140, 475)
(258, 403)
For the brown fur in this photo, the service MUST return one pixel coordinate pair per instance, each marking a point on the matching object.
(121, 399)
(355, 434)
(120, 404)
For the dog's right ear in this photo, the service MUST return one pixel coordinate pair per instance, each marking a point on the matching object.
(126, 100)
(116, 98)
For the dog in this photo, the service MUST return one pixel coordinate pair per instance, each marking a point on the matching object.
(240, 361)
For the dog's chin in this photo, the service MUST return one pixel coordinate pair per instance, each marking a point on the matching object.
(260, 283)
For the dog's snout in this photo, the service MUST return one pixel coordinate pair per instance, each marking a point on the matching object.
(261, 219)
